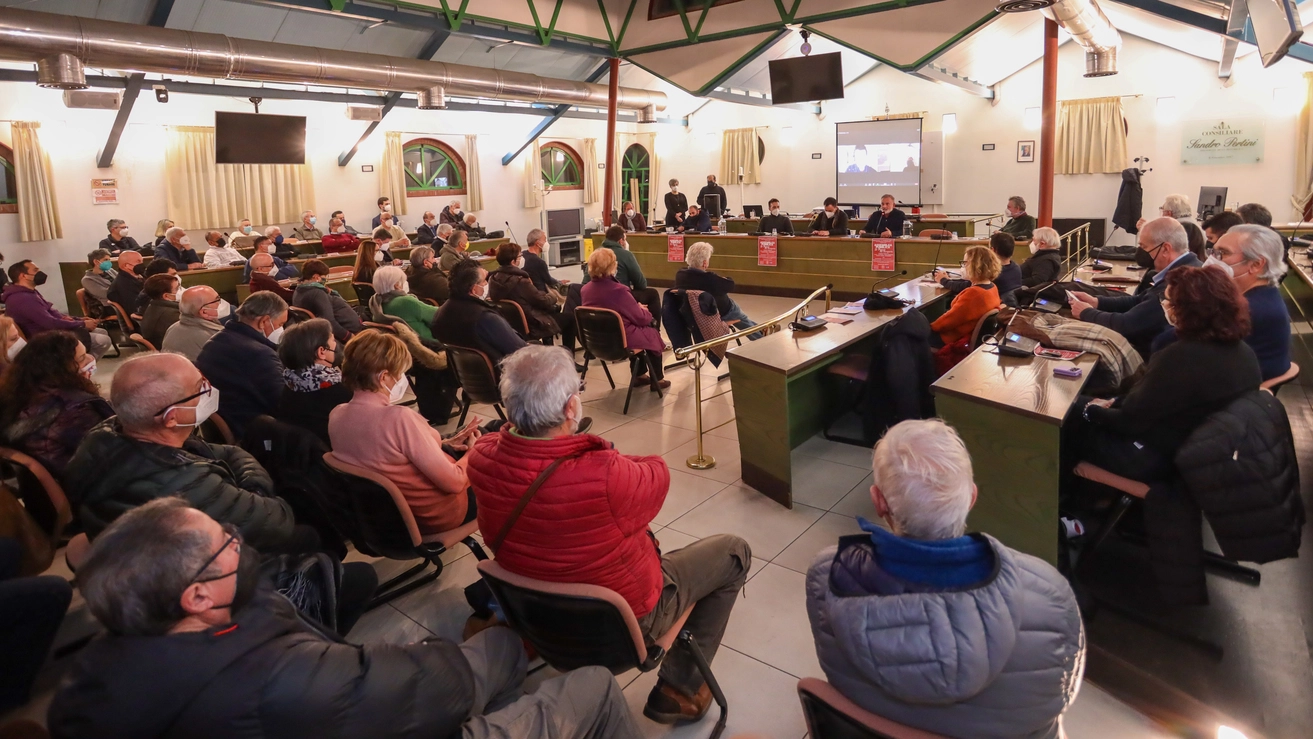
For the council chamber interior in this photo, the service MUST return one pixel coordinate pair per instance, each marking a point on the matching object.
(803, 368)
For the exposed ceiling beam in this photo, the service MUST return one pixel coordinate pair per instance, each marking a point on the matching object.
(556, 115)
(747, 59)
(159, 17)
(1181, 15)
(435, 42)
(760, 102)
(943, 76)
(1229, 48)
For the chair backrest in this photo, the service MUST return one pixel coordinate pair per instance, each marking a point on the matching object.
(364, 291)
(830, 715)
(141, 340)
(341, 269)
(571, 625)
(602, 332)
(125, 320)
(294, 458)
(217, 431)
(476, 373)
(513, 312)
(301, 314)
(387, 528)
(51, 509)
(432, 302)
(82, 302)
(986, 326)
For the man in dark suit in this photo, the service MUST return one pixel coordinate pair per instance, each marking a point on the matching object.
(712, 189)
(887, 223)
(696, 220)
(775, 221)
(832, 221)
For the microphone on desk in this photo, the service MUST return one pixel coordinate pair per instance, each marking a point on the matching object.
(879, 282)
(509, 231)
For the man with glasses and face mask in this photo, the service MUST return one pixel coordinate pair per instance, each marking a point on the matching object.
(197, 646)
(242, 360)
(202, 313)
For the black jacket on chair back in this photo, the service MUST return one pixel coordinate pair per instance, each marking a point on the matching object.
(902, 370)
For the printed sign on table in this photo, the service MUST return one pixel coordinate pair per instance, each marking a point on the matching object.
(766, 251)
(674, 247)
(882, 255)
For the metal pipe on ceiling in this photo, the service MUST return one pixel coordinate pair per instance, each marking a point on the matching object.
(63, 45)
(1085, 22)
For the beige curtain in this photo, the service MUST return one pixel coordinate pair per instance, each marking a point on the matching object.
(38, 211)
(533, 176)
(739, 149)
(202, 194)
(1091, 137)
(473, 180)
(1302, 200)
(392, 175)
(590, 171)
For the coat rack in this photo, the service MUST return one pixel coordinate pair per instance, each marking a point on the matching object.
(1139, 168)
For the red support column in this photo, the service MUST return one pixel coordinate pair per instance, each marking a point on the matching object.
(612, 94)
(1048, 130)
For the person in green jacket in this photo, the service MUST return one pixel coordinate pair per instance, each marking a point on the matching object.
(1020, 224)
(392, 292)
(628, 273)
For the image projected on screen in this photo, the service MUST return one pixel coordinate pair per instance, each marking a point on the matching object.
(874, 158)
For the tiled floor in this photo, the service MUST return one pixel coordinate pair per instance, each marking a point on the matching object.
(768, 644)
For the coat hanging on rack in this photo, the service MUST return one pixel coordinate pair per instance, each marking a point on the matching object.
(1130, 201)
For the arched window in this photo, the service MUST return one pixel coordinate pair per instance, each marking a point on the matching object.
(636, 166)
(561, 166)
(8, 183)
(432, 168)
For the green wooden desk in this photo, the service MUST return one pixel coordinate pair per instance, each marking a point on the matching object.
(1009, 411)
(783, 395)
(964, 227)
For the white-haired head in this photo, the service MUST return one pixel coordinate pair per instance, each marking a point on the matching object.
(272, 231)
(923, 473)
(1045, 238)
(537, 385)
(1261, 242)
(699, 255)
(389, 279)
(1165, 230)
(1177, 206)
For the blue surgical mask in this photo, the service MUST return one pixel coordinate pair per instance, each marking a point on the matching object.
(278, 239)
(313, 220)
(106, 265)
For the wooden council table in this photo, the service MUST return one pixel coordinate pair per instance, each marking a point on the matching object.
(963, 226)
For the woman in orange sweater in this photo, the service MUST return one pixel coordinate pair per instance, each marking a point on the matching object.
(981, 267)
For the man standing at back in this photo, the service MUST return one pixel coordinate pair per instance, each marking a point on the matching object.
(944, 631)
(713, 189)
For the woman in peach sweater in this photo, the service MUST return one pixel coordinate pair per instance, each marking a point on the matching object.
(395, 441)
(981, 267)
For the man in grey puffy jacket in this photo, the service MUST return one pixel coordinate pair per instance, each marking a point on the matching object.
(950, 633)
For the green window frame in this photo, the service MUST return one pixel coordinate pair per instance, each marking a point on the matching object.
(636, 165)
(432, 168)
(562, 166)
(9, 185)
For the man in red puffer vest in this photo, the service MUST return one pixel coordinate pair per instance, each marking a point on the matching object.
(589, 522)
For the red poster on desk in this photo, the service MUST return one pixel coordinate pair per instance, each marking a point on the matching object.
(882, 255)
(766, 253)
(675, 247)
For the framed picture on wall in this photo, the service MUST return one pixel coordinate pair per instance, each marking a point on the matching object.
(1025, 151)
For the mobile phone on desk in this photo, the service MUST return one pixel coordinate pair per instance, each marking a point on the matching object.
(1067, 371)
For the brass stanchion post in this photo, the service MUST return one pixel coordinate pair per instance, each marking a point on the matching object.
(699, 461)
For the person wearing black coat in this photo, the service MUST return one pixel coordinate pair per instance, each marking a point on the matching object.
(242, 361)
(713, 188)
(676, 206)
(312, 376)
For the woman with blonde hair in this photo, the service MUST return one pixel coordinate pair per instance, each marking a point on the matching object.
(375, 432)
(162, 227)
(603, 291)
(981, 268)
(11, 342)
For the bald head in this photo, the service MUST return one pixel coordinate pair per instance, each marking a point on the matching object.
(195, 298)
(128, 260)
(212, 237)
(147, 383)
(262, 261)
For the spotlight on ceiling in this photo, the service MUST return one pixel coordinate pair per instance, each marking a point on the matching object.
(161, 93)
(1022, 6)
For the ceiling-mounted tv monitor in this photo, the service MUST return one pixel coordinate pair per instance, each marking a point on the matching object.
(1277, 26)
(248, 138)
(804, 79)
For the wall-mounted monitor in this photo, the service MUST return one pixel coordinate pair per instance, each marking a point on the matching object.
(1276, 25)
(803, 79)
(248, 138)
(564, 223)
(877, 158)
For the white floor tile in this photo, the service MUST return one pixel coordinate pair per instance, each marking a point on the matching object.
(725, 451)
(824, 533)
(820, 483)
(645, 437)
(604, 420)
(686, 493)
(441, 607)
(767, 526)
(770, 623)
(820, 447)
(680, 413)
(387, 625)
(1096, 714)
(858, 501)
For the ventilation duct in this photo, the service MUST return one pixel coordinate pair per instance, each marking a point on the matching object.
(62, 45)
(1085, 22)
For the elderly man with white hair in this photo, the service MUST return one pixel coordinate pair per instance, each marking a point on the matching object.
(452, 213)
(177, 249)
(1163, 246)
(698, 276)
(201, 310)
(242, 360)
(1254, 257)
(922, 623)
(1045, 262)
(282, 248)
(1174, 206)
(308, 230)
(470, 225)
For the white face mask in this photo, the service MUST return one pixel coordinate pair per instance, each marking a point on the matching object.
(378, 256)
(1219, 264)
(387, 207)
(519, 262)
(487, 289)
(398, 390)
(123, 231)
(630, 212)
(272, 271)
(222, 309)
(16, 348)
(246, 229)
(340, 230)
(1171, 319)
(404, 287)
(675, 190)
(89, 369)
(276, 336)
(208, 406)
(460, 212)
(185, 241)
(313, 220)
(1034, 249)
(774, 211)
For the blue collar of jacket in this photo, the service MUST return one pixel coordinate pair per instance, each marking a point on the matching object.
(1183, 260)
(320, 285)
(883, 563)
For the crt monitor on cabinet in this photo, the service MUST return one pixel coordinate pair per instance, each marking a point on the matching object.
(1211, 200)
(564, 223)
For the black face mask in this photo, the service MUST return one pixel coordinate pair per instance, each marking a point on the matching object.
(1145, 259)
(40, 278)
(248, 579)
(221, 242)
(338, 354)
(139, 270)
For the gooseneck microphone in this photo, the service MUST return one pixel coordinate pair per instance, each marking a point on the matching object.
(509, 231)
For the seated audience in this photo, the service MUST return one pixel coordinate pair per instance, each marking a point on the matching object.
(427, 232)
(1195, 240)
(698, 276)
(435, 387)
(316, 296)
(696, 220)
(97, 281)
(337, 240)
(1257, 214)
(384, 206)
(1020, 225)
(628, 273)
(162, 312)
(444, 231)
(1137, 435)
(389, 223)
(1163, 246)
(1174, 206)
(1004, 651)
(427, 282)
(511, 282)
(156, 267)
(590, 521)
(246, 235)
(886, 223)
(197, 646)
(969, 306)
(470, 225)
(1219, 223)
(307, 230)
(241, 361)
(774, 221)
(469, 321)
(1045, 262)
(374, 432)
(200, 310)
(34, 314)
(48, 401)
(630, 219)
(454, 251)
(1009, 276)
(219, 253)
(162, 227)
(118, 240)
(177, 249)
(369, 257)
(393, 296)
(282, 247)
(452, 214)
(128, 282)
(676, 206)
(347, 229)
(831, 221)
(148, 451)
(1258, 252)
(385, 238)
(536, 266)
(10, 342)
(265, 277)
(262, 244)
(641, 332)
(312, 376)
(31, 611)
